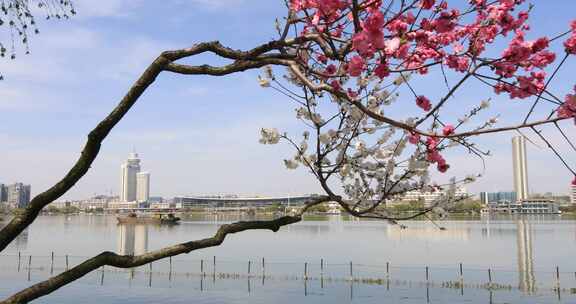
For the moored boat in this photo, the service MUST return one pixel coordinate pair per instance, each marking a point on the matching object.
(159, 218)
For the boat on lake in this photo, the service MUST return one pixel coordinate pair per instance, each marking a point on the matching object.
(158, 218)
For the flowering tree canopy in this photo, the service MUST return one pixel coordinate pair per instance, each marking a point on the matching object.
(358, 61)
(352, 67)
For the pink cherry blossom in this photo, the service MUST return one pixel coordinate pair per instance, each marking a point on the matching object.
(356, 66)
(392, 45)
(568, 108)
(330, 69)
(382, 71)
(423, 103)
(414, 138)
(427, 4)
(458, 63)
(443, 167)
(448, 130)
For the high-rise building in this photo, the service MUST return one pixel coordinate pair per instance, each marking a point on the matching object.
(128, 181)
(142, 187)
(520, 167)
(18, 195)
(495, 197)
(3, 193)
(573, 194)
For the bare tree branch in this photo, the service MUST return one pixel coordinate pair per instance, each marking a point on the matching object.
(165, 62)
(124, 261)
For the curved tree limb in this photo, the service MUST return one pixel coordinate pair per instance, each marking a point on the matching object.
(125, 261)
(244, 60)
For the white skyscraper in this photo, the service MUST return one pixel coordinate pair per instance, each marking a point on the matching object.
(142, 186)
(520, 167)
(573, 194)
(129, 182)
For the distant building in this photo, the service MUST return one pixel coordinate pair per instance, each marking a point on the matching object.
(18, 195)
(520, 167)
(142, 187)
(528, 206)
(429, 197)
(502, 196)
(128, 178)
(573, 194)
(3, 193)
(237, 202)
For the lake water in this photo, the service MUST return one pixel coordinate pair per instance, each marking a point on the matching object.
(320, 260)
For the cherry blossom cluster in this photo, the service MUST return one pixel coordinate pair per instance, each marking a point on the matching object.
(359, 63)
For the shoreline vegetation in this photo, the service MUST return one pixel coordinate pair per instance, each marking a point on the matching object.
(465, 208)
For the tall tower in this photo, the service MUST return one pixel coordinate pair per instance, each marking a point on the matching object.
(128, 182)
(520, 167)
(573, 194)
(142, 186)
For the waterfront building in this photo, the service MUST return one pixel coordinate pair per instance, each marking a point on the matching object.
(142, 187)
(238, 202)
(520, 167)
(527, 206)
(573, 194)
(164, 205)
(128, 178)
(492, 197)
(115, 205)
(18, 195)
(428, 197)
(3, 193)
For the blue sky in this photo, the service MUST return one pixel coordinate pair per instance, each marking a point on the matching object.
(196, 135)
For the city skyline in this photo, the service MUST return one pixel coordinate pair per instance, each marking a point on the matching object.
(206, 123)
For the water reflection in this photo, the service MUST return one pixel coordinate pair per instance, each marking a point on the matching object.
(526, 278)
(132, 239)
(395, 232)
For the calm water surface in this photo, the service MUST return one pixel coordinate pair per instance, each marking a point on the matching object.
(388, 264)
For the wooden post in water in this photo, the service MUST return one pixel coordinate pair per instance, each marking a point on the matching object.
(202, 267)
(427, 274)
(102, 277)
(29, 266)
(558, 277)
(322, 266)
(306, 271)
(52, 263)
(249, 264)
(388, 270)
(150, 276)
(489, 276)
(214, 265)
(19, 258)
(170, 267)
(351, 272)
(66, 262)
(461, 280)
(263, 268)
